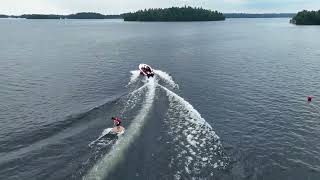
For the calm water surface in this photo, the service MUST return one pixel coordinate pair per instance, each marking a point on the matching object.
(61, 81)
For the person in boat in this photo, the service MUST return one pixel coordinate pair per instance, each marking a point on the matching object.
(148, 69)
(117, 125)
(143, 69)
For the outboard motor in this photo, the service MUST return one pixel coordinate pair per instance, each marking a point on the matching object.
(150, 75)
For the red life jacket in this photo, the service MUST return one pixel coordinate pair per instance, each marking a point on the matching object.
(117, 120)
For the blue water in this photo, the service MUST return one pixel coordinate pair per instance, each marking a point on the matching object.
(62, 80)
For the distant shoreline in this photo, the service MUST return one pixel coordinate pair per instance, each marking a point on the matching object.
(101, 16)
(259, 15)
(81, 15)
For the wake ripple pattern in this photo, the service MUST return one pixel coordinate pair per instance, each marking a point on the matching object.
(101, 169)
(166, 78)
(134, 76)
(198, 151)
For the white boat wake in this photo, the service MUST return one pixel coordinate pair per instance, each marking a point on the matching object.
(197, 148)
(166, 78)
(134, 76)
(101, 169)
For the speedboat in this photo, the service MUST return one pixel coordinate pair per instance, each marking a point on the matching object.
(146, 70)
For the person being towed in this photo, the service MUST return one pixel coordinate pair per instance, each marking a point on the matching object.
(118, 129)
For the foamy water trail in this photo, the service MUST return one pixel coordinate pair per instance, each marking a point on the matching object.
(105, 132)
(166, 78)
(134, 76)
(101, 169)
(131, 102)
(197, 147)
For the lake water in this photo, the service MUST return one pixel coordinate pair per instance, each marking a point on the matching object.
(228, 100)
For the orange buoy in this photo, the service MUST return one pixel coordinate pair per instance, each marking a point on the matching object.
(309, 98)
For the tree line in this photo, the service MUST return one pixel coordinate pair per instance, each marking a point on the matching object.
(82, 15)
(3, 16)
(174, 14)
(260, 15)
(306, 18)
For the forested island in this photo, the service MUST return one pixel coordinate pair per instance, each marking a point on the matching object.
(86, 16)
(40, 16)
(3, 16)
(306, 18)
(174, 14)
(263, 15)
(82, 15)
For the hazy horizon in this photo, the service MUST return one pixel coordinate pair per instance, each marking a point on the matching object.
(125, 12)
(15, 7)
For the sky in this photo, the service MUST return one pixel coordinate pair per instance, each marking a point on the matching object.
(17, 7)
